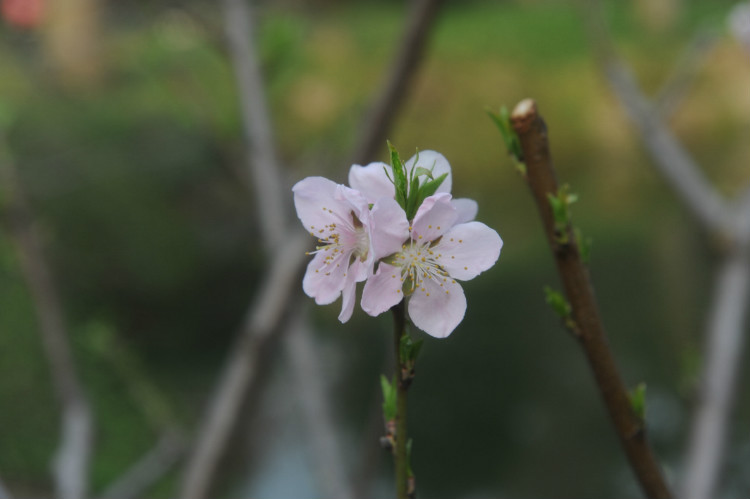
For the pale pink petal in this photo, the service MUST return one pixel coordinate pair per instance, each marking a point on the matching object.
(372, 181)
(433, 218)
(348, 294)
(316, 203)
(435, 162)
(356, 201)
(382, 290)
(389, 227)
(469, 249)
(437, 307)
(466, 209)
(323, 279)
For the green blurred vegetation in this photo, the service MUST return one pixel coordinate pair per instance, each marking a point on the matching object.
(138, 184)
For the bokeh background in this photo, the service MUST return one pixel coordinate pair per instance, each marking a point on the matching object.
(127, 138)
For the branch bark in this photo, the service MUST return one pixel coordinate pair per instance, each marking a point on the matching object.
(72, 458)
(590, 332)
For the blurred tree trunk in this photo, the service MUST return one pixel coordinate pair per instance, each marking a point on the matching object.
(72, 41)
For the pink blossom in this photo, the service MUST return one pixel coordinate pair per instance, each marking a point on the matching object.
(373, 181)
(436, 254)
(351, 237)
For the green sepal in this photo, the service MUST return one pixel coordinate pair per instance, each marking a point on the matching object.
(510, 137)
(389, 397)
(399, 177)
(638, 400)
(557, 302)
(421, 170)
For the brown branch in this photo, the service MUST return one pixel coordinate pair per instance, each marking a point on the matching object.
(541, 178)
(385, 108)
(71, 461)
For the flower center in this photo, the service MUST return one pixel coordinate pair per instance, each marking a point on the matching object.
(419, 261)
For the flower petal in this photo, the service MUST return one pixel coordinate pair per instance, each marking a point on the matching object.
(372, 181)
(434, 161)
(466, 209)
(324, 279)
(434, 217)
(389, 227)
(469, 249)
(436, 309)
(348, 294)
(382, 290)
(317, 203)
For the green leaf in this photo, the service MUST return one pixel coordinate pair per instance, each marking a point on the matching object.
(389, 397)
(638, 400)
(420, 170)
(560, 204)
(510, 137)
(557, 302)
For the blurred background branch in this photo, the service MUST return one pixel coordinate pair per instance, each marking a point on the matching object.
(726, 323)
(72, 459)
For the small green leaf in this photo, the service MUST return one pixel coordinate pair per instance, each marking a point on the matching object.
(557, 302)
(389, 397)
(638, 400)
(420, 170)
(560, 204)
(510, 137)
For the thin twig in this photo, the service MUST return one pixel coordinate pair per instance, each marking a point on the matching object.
(257, 125)
(674, 90)
(410, 53)
(723, 353)
(671, 159)
(541, 178)
(309, 383)
(677, 166)
(72, 458)
(148, 469)
(400, 456)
